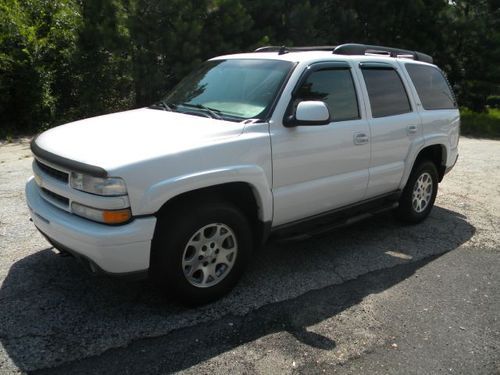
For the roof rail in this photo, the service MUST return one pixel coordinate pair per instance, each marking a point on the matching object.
(284, 49)
(365, 49)
(353, 49)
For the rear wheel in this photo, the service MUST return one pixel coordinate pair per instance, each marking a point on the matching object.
(200, 254)
(419, 194)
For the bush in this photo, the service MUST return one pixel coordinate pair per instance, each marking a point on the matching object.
(493, 101)
(483, 124)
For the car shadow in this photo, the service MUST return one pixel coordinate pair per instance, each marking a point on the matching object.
(52, 314)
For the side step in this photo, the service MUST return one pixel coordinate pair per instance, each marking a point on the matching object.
(317, 225)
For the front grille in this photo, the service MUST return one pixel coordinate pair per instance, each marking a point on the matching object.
(56, 197)
(52, 172)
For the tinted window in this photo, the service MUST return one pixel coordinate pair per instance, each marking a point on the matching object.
(334, 87)
(386, 92)
(432, 87)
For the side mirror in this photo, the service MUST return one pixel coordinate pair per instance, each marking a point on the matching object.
(310, 113)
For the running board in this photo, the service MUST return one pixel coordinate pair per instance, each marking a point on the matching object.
(318, 225)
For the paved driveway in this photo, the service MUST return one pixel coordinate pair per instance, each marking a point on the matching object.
(375, 296)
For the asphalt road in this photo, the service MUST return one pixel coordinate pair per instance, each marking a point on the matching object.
(376, 297)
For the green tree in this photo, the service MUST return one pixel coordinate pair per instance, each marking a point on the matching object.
(165, 44)
(170, 38)
(285, 22)
(101, 65)
(474, 50)
(61, 60)
(36, 44)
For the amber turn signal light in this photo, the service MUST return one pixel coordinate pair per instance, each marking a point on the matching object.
(116, 216)
(102, 216)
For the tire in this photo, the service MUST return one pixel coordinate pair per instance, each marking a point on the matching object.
(419, 194)
(199, 255)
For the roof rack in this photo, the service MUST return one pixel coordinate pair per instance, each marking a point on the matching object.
(353, 49)
(284, 49)
(366, 49)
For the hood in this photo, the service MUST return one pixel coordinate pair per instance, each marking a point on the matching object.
(118, 139)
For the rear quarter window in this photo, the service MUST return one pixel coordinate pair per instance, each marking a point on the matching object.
(432, 87)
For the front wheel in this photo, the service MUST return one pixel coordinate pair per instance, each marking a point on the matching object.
(200, 253)
(419, 194)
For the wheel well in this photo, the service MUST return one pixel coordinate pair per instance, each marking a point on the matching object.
(240, 194)
(436, 154)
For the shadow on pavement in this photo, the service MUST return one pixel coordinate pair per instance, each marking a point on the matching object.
(51, 312)
(190, 346)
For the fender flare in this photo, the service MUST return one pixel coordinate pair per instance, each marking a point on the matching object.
(415, 152)
(160, 193)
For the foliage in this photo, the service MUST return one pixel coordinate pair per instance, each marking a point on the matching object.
(484, 124)
(475, 48)
(37, 40)
(493, 101)
(101, 63)
(61, 60)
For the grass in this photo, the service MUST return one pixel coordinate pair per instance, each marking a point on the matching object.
(483, 124)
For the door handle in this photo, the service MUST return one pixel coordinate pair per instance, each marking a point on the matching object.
(412, 129)
(360, 138)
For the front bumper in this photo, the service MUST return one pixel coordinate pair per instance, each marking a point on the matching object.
(117, 250)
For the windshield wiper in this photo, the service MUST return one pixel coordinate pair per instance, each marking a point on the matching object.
(214, 113)
(163, 105)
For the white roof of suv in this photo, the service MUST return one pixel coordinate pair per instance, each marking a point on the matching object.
(345, 52)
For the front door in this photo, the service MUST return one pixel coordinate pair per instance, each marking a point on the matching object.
(323, 167)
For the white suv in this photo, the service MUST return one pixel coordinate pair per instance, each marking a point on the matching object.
(282, 141)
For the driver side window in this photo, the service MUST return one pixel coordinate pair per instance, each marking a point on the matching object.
(335, 87)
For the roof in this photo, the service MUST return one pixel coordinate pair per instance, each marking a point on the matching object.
(345, 52)
(312, 56)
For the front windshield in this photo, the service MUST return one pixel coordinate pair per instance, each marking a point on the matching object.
(234, 89)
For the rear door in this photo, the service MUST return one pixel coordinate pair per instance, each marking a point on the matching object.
(394, 125)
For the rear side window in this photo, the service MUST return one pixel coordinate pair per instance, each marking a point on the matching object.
(432, 88)
(335, 87)
(387, 94)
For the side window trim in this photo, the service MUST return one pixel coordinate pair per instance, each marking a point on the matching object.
(376, 65)
(316, 67)
(386, 66)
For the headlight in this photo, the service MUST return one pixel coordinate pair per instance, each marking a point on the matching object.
(98, 185)
(101, 216)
